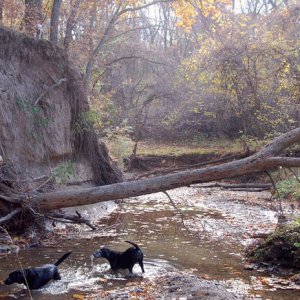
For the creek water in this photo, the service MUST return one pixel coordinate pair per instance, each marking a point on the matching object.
(209, 242)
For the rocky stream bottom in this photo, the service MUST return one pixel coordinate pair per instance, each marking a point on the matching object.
(193, 247)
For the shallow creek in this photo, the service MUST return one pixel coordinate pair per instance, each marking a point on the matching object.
(217, 226)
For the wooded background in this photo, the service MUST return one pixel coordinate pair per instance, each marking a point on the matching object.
(177, 69)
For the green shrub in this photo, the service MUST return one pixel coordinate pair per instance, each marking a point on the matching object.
(289, 188)
(63, 172)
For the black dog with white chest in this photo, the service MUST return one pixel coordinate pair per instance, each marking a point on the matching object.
(35, 278)
(123, 260)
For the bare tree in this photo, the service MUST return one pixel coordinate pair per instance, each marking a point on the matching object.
(118, 12)
(71, 22)
(1, 11)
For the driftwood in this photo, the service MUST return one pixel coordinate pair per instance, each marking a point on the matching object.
(260, 235)
(65, 218)
(267, 158)
(251, 187)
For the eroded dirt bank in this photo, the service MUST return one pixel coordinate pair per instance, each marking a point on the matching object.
(43, 115)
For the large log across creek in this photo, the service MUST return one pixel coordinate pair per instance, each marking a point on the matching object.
(265, 159)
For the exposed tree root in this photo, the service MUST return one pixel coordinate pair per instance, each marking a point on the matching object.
(9, 216)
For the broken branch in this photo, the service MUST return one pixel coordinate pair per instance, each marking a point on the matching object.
(78, 219)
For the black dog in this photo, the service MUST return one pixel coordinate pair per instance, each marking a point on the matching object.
(122, 260)
(35, 278)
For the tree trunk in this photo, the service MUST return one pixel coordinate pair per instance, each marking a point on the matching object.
(71, 22)
(263, 160)
(55, 21)
(1, 11)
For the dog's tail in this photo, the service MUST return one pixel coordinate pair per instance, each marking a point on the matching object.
(135, 245)
(62, 258)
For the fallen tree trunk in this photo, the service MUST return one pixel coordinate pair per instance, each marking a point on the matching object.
(267, 158)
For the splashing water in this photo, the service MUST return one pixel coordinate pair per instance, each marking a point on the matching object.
(92, 260)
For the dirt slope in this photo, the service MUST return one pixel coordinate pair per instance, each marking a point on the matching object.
(43, 113)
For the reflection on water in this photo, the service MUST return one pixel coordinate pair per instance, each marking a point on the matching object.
(166, 243)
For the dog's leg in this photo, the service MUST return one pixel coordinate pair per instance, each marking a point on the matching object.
(130, 270)
(56, 275)
(142, 266)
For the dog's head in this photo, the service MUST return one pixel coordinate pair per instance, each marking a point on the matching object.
(103, 252)
(15, 277)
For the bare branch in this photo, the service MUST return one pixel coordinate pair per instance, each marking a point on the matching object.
(44, 183)
(133, 9)
(135, 57)
(276, 190)
(119, 12)
(78, 219)
(9, 216)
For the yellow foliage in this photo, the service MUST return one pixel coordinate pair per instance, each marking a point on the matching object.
(78, 296)
(187, 11)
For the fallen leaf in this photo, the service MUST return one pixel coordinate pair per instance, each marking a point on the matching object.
(79, 296)
(264, 281)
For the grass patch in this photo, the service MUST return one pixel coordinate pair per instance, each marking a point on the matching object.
(119, 148)
(177, 148)
(289, 187)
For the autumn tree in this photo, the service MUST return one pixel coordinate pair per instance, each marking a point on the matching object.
(215, 67)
